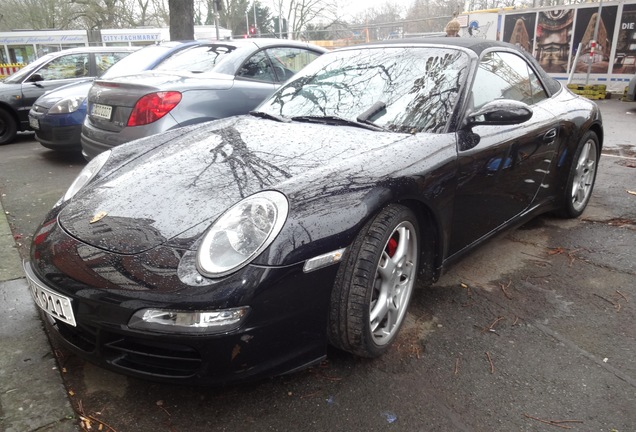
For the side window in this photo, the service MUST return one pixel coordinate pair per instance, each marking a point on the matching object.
(66, 67)
(257, 67)
(538, 92)
(287, 61)
(502, 75)
(103, 61)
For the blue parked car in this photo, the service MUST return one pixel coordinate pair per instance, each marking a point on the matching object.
(57, 116)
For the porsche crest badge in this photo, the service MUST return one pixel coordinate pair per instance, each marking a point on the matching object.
(99, 216)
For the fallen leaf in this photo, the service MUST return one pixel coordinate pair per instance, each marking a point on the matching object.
(556, 251)
(235, 351)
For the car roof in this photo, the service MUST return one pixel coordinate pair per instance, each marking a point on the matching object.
(473, 44)
(91, 49)
(266, 42)
(478, 46)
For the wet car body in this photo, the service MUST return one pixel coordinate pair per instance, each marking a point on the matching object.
(243, 73)
(19, 91)
(130, 242)
(61, 129)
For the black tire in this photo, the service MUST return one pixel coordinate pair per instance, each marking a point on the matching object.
(8, 127)
(390, 241)
(581, 177)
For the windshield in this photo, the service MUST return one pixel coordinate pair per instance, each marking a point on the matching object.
(401, 89)
(136, 62)
(196, 59)
(20, 75)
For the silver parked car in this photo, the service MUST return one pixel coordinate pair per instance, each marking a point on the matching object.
(225, 79)
(57, 116)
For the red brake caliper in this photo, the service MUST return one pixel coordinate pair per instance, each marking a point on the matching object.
(392, 245)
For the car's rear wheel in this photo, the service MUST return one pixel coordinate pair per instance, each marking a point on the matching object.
(581, 177)
(8, 127)
(374, 285)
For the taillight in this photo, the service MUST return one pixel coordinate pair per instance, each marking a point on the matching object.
(152, 107)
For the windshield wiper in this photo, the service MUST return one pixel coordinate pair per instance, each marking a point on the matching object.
(335, 120)
(376, 108)
(269, 116)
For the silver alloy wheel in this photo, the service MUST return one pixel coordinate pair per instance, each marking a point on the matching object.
(584, 175)
(394, 279)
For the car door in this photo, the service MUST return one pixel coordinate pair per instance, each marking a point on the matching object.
(286, 61)
(266, 70)
(254, 81)
(60, 71)
(501, 172)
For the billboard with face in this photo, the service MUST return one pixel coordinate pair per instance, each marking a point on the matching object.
(554, 34)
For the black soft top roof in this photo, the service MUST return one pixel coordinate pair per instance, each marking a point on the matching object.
(478, 46)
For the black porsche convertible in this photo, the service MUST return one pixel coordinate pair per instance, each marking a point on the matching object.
(241, 248)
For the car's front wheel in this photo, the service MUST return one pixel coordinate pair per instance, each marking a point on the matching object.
(581, 177)
(374, 285)
(8, 127)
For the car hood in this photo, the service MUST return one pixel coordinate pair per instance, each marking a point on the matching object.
(180, 186)
(47, 100)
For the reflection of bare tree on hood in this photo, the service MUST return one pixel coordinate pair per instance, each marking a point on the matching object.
(244, 163)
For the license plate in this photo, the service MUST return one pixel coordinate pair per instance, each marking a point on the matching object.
(56, 305)
(102, 111)
(34, 123)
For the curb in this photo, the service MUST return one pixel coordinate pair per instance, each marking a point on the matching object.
(32, 393)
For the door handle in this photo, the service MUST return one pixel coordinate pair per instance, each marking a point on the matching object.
(550, 136)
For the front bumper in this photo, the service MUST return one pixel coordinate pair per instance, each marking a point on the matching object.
(95, 140)
(58, 132)
(284, 331)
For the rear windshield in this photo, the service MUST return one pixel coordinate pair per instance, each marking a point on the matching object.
(196, 59)
(136, 62)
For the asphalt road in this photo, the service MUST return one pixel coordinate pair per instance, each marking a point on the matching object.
(535, 331)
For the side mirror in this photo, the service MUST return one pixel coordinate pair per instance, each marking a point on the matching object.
(36, 77)
(500, 112)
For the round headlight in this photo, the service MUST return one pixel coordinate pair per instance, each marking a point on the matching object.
(242, 233)
(86, 175)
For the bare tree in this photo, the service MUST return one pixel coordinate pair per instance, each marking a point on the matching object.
(36, 14)
(432, 15)
(299, 13)
(82, 14)
(99, 14)
(381, 23)
(233, 15)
